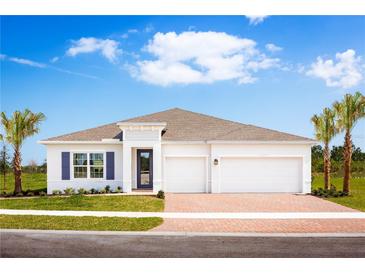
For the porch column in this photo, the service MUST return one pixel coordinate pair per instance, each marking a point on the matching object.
(127, 168)
(157, 169)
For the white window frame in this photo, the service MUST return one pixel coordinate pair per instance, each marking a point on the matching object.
(88, 177)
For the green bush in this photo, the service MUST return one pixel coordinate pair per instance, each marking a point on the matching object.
(20, 194)
(107, 189)
(118, 190)
(102, 191)
(30, 193)
(42, 193)
(326, 193)
(161, 194)
(93, 191)
(81, 191)
(56, 192)
(69, 191)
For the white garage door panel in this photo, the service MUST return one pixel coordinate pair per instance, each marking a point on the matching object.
(185, 174)
(261, 174)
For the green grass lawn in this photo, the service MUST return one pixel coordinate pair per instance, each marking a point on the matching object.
(33, 182)
(78, 223)
(357, 198)
(81, 202)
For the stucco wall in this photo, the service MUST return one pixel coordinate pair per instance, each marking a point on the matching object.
(54, 167)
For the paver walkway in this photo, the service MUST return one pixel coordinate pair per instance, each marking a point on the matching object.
(192, 215)
(264, 225)
(250, 202)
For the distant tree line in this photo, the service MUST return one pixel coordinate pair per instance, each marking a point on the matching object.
(337, 152)
(6, 164)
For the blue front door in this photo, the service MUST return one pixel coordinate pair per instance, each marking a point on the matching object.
(144, 168)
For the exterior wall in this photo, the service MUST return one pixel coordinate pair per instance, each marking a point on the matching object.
(262, 150)
(186, 150)
(125, 161)
(141, 135)
(54, 180)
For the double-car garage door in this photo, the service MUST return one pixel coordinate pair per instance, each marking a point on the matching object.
(260, 174)
(236, 174)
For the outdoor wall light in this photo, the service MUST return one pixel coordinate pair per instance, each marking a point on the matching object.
(215, 162)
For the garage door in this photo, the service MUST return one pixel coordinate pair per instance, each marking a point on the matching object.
(261, 174)
(185, 174)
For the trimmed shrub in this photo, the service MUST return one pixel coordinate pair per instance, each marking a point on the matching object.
(30, 193)
(69, 191)
(102, 191)
(93, 191)
(327, 193)
(81, 191)
(20, 194)
(161, 194)
(56, 192)
(42, 193)
(118, 190)
(107, 189)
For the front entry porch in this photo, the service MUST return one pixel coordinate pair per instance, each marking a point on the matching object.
(142, 168)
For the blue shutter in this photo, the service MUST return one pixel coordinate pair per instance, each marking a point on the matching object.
(65, 165)
(110, 165)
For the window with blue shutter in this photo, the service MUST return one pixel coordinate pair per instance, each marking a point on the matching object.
(65, 166)
(110, 166)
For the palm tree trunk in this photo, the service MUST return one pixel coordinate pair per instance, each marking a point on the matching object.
(17, 171)
(327, 166)
(347, 162)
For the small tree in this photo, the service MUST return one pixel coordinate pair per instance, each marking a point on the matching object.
(33, 166)
(348, 112)
(4, 162)
(17, 128)
(325, 130)
(43, 167)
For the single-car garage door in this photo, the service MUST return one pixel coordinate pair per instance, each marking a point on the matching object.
(185, 174)
(260, 174)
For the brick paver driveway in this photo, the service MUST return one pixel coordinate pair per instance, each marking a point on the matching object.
(256, 203)
(249, 202)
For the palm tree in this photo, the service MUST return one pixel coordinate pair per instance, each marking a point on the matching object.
(325, 130)
(349, 111)
(16, 129)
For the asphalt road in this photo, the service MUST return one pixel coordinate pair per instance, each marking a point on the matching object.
(40, 244)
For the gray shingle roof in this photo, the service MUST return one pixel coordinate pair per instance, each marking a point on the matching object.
(183, 125)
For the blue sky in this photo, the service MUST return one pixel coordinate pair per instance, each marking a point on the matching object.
(85, 71)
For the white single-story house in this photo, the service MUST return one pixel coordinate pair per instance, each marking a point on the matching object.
(180, 151)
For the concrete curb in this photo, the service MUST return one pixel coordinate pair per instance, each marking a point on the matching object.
(193, 215)
(182, 234)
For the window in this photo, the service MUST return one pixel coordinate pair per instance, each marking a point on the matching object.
(96, 165)
(88, 165)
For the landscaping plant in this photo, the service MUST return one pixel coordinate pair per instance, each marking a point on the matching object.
(325, 130)
(348, 112)
(17, 128)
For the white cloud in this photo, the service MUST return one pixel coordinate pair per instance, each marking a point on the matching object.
(200, 57)
(273, 48)
(31, 63)
(256, 19)
(75, 73)
(344, 73)
(133, 31)
(54, 59)
(27, 62)
(108, 48)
